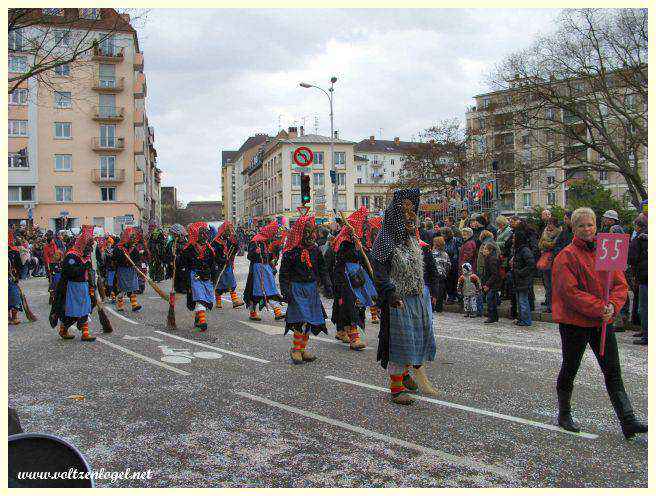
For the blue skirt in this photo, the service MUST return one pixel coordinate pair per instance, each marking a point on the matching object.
(127, 279)
(411, 338)
(15, 301)
(110, 278)
(366, 293)
(54, 280)
(78, 301)
(306, 306)
(227, 281)
(263, 276)
(202, 291)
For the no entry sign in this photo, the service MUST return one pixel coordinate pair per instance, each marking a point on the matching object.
(303, 156)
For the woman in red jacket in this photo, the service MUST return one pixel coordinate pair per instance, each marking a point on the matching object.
(578, 306)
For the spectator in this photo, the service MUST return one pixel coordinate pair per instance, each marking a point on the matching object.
(485, 238)
(565, 237)
(464, 219)
(428, 233)
(452, 245)
(468, 248)
(491, 281)
(477, 225)
(523, 265)
(638, 263)
(546, 245)
(504, 232)
(610, 222)
(579, 309)
(488, 225)
(443, 265)
(469, 285)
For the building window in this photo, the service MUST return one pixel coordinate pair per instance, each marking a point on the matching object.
(630, 100)
(296, 201)
(392, 173)
(341, 202)
(365, 201)
(107, 73)
(341, 178)
(508, 99)
(62, 130)
(16, 40)
(62, 37)
(391, 161)
(359, 168)
(53, 12)
(18, 160)
(550, 114)
(21, 193)
(551, 156)
(526, 140)
(481, 123)
(17, 64)
(17, 128)
(481, 144)
(527, 180)
(551, 180)
(551, 198)
(63, 70)
(62, 99)
(90, 14)
(359, 180)
(508, 139)
(63, 163)
(63, 193)
(527, 200)
(603, 175)
(107, 194)
(340, 158)
(485, 102)
(18, 96)
(296, 180)
(318, 180)
(108, 166)
(99, 221)
(551, 136)
(318, 158)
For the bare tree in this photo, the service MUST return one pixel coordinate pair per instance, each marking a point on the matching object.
(580, 96)
(48, 39)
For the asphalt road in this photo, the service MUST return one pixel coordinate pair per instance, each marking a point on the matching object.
(227, 408)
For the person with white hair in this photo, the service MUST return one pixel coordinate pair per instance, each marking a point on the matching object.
(580, 309)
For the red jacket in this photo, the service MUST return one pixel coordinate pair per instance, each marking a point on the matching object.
(467, 255)
(577, 296)
(48, 251)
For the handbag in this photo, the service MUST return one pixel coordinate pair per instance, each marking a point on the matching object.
(545, 261)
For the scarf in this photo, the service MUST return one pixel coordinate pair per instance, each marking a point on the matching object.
(392, 233)
(81, 242)
(220, 238)
(295, 238)
(266, 233)
(193, 231)
(357, 220)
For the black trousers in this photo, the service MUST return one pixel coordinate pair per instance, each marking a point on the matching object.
(574, 341)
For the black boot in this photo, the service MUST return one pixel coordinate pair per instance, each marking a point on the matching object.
(565, 419)
(624, 412)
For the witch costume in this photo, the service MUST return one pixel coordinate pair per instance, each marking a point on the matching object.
(302, 270)
(225, 249)
(127, 281)
(74, 298)
(15, 268)
(405, 273)
(371, 229)
(261, 287)
(198, 259)
(354, 289)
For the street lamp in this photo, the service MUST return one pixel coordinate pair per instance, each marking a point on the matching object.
(333, 170)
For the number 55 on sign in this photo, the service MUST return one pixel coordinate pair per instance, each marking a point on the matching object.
(612, 252)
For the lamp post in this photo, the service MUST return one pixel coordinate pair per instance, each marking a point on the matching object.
(333, 170)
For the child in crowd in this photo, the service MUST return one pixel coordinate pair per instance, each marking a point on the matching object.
(469, 286)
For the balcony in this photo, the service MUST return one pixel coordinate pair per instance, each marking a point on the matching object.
(138, 61)
(138, 118)
(140, 89)
(108, 114)
(105, 144)
(107, 54)
(102, 176)
(109, 85)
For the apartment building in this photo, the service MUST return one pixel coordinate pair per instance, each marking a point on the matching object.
(81, 150)
(493, 122)
(378, 163)
(228, 185)
(275, 180)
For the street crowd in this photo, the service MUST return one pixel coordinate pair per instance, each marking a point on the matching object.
(400, 270)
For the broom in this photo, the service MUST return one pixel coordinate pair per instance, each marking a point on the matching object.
(157, 289)
(102, 316)
(224, 269)
(28, 313)
(170, 318)
(359, 246)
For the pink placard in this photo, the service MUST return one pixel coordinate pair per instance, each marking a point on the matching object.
(612, 251)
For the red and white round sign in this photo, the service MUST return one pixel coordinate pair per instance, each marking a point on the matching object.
(303, 156)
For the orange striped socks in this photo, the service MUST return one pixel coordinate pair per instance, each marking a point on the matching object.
(201, 318)
(374, 313)
(133, 301)
(396, 384)
(219, 303)
(306, 338)
(236, 302)
(299, 341)
(85, 332)
(277, 312)
(119, 303)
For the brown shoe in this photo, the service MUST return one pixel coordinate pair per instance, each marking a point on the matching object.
(307, 356)
(356, 343)
(254, 316)
(342, 336)
(237, 304)
(87, 337)
(297, 357)
(402, 398)
(65, 335)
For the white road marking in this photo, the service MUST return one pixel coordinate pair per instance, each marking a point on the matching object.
(122, 317)
(507, 345)
(137, 338)
(488, 413)
(448, 457)
(203, 345)
(142, 357)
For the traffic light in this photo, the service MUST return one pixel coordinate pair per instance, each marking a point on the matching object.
(305, 188)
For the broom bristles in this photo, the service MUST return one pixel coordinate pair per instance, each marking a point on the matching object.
(423, 382)
(28, 312)
(104, 320)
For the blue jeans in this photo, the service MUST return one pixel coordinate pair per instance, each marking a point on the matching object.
(524, 308)
(492, 298)
(546, 277)
(642, 307)
(479, 304)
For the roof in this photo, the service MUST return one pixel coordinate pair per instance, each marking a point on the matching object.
(110, 20)
(315, 138)
(383, 146)
(228, 156)
(252, 141)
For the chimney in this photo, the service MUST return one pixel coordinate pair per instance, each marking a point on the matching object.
(125, 17)
(396, 141)
(293, 132)
(372, 139)
(302, 131)
(336, 135)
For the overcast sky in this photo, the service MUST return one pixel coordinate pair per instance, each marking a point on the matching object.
(216, 77)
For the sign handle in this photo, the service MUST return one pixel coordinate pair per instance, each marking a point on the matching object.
(604, 324)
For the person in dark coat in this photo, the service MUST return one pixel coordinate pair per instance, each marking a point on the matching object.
(491, 281)
(638, 262)
(452, 245)
(15, 268)
(198, 258)
(225, 249)
(74, 298)
(405, 277)
(302, 272)
(127, 281)
(523, 268)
